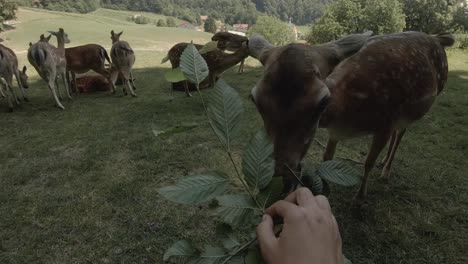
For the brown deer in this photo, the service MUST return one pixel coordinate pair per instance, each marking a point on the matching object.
(8, 70)
(217, 62)
(380, 90)
(50, 62)
(123, 59)
(231, 42)
(85, 58)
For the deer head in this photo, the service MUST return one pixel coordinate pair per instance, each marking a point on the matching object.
(24, 77)
(45, 39)
(61, 36)
(229, 41)
(292, 95)
(115, 37)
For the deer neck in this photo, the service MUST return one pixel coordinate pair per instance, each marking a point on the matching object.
(233, 59)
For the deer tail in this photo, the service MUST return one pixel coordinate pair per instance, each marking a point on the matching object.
(445, 39)
(165, 59)
(105, 56)
(39, 56)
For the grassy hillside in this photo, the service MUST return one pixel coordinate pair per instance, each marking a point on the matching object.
(80, 186)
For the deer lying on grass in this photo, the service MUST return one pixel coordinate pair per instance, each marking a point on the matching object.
(50, 62)
(85, 58)
(123, 59)
(231, 42)
(381, 90)
(8, 69)
(217, 62)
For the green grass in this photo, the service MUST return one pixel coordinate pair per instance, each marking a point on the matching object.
(80, 186)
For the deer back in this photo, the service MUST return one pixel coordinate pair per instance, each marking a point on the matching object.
(8, 60)
(122, 55)
(83, 58)
(391, 82)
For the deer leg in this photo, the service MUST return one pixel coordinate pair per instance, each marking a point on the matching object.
(65, 85)
(132, 80)
(127, 77)
(187, 91)
(73, 76)
(1, 91)
(57, 88)
(52, 88)
(390, 147)
(7, 95)
(378, 144)
(20, 85)
(113, 78)
(388, 165)
(9, 83)
(331, 148)
(241, 67)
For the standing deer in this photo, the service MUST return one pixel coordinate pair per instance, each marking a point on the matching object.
(381, 90)
(217, 62)
(123, 59)
(50, 62)
(8, 69)
(85, 58)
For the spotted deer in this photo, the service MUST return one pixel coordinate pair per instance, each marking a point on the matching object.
(123, 59)
(380, 90)
(50, 62)
(217, 60)
(8, 70)
(91, 57)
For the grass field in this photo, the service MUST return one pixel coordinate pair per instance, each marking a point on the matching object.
(80, 186)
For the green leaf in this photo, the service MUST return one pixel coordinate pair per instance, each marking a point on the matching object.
(175, 75)
(196, 189)
(236, 260)
(339, 173)
(210, 46)
(224, 111)
(193, 65)
(311, 179)
(272, 193)
(180, 248)
(258, 164)
(254, 256)
(347, 261)
(211, 255)
(236, 209)
(225, 233)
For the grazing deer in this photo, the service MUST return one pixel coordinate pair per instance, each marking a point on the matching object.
(382, 89)
(231, 42)
(123, 59)
(217, 62)
(8, 69)
(85, 58)
(50, 62)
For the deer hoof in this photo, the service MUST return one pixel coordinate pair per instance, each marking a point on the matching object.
(26, 99)
(134, 95)
(10, 110)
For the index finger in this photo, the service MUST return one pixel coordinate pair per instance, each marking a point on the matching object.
(281, 208)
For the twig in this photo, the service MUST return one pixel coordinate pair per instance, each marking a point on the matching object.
(239, 250)
(297, 178)
(320, 143)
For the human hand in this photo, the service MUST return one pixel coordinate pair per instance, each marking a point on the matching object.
(310, 232)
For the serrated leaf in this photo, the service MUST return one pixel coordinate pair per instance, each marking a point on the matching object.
(258, 164)
(224, 111)
(196, 189)
(272, 193)
(254, 256)
(311, 179)
(235, 209)
(339, 173)
(347, 261)
(193, 65)
(211, 255)
(210, 46)
(175, 75)
(180, 248)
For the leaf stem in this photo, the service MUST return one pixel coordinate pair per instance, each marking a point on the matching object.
(297, 178)
(239, 250)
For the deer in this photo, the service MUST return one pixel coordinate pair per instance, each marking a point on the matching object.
(82, 59)
(217, 61)
(231, 42)
(123, 59)
(50, 62)
(9, 69)
(379, 88)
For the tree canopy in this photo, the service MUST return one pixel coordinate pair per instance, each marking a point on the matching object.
(273, 29)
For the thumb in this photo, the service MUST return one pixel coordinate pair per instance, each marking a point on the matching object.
(266, 237)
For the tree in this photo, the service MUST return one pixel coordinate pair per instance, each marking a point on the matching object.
(7, 11)
(430, 16)
(210, 25)
(171, 22)
(161, 23)
(356, 16)
(273, 29)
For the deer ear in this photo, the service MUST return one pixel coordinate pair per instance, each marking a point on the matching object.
(25, 69)
(350, 44)
(52, 33)
(30, 44)
(120, 34)
(61, 30)
(48, 38)
(112, 33)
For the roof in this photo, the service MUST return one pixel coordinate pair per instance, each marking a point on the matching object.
(203, 18)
